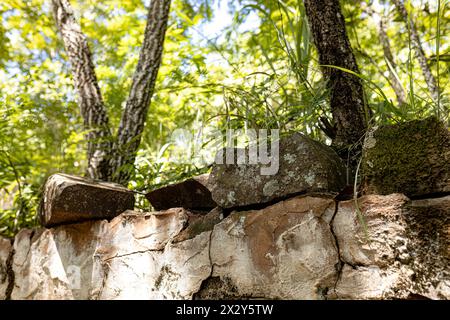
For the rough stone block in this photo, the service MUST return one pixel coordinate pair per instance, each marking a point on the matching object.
(190, 194)
(70, 199)
(305, 165)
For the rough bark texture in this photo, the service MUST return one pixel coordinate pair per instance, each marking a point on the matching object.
(108, 161)
(142, 87)
(423, 62)
(346, 92)
(89, 97)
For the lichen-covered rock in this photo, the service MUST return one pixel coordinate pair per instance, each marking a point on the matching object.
(5, 252)
(70, 199)
(189, 194)
(285, 251)
(304, 165)
(411, 158)
(402, 250)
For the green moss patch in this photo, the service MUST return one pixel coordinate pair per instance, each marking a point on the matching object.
(411, 158)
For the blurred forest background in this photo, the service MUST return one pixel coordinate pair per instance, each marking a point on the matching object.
(226, 64)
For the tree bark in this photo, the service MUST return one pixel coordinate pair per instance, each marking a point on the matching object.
(108, 161)
(142, 87)
(420, 54)
(392, 66)
(347, 104)
(90, 99)
(392, 78)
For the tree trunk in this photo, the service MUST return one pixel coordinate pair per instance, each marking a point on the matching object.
(392, 66)
(108, 161)
(423, 62)
(89, 97)
(392, 77)
(142, 87)
(346, 92)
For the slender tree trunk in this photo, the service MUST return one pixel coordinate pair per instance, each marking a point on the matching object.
(392, 78)
(423, 62)
(89, 97)
(142, 87)
(346, 91)
(107, 160)
(392, 66)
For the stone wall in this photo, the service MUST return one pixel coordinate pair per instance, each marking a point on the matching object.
(306, 247)
(303, 232)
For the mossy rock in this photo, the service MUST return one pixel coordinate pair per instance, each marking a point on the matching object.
(411, 158)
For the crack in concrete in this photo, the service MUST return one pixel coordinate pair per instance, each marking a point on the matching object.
(132, 253)
(264, 205)
(209, 253)
(340, 264)
(9, 265)
(10, 272)
(193, 297)
(105, 269)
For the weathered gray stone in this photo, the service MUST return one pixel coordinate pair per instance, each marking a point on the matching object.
(131, 257)
(5, 252)
(412, 158)
(157, 255)
(305, 165)
(190, 194)
(373, 283)
(382, 241)
(69, 199)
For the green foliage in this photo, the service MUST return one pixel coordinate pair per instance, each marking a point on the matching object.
(260, 71)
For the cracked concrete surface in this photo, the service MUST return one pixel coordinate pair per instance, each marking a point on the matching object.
(305, 247)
